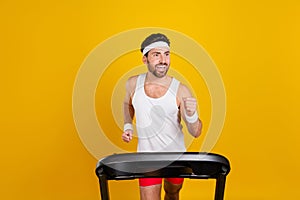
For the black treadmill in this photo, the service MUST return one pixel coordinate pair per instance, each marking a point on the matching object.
(193, 165)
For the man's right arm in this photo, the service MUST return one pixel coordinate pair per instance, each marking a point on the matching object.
(128, 110)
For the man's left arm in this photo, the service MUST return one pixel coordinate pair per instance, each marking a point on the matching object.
(188, 110)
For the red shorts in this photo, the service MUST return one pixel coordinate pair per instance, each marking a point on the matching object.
(154, 181)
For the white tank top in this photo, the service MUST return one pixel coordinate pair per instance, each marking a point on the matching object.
(157, 123)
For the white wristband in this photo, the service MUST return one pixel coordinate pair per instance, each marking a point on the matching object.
(191, 119)
(128, 126)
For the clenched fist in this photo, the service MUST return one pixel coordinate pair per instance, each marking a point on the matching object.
(190, 105)
(127, 135)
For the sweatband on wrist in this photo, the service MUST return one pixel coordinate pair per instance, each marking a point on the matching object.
(191, 119)
(128, 126)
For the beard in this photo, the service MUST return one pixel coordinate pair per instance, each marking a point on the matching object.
(159, 70)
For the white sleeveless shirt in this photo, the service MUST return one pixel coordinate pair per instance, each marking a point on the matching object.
(157, 119)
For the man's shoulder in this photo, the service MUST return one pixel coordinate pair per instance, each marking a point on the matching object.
(131, 82)
(183, 90)
(132, 79)
(182, 86)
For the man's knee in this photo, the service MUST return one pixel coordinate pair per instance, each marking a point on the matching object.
(171, 188)
(150, 192)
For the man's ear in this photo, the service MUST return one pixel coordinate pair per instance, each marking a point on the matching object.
(144, 59)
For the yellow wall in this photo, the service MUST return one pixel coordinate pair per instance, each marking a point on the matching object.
(43, 44)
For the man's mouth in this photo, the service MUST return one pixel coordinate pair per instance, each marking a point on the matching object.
(160, 67)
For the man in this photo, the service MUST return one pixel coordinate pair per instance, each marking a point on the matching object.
(159, 102)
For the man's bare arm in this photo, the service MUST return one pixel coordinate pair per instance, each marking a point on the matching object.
(128, 110)
(188, 110)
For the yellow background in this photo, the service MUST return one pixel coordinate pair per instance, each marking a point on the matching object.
(43, 43)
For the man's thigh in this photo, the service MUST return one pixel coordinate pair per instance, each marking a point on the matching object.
(150, 192)
(173, 185)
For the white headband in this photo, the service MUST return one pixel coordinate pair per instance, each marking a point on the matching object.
(155, 45)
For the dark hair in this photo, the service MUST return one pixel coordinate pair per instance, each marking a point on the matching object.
(155, 37)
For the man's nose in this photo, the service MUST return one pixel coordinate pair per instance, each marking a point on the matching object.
(162, 59)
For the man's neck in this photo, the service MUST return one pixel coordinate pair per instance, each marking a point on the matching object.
(151, 78)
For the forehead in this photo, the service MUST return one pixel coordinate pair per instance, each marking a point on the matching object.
(160, 50)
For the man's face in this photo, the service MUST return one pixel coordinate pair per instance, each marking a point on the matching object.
(158, 61)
